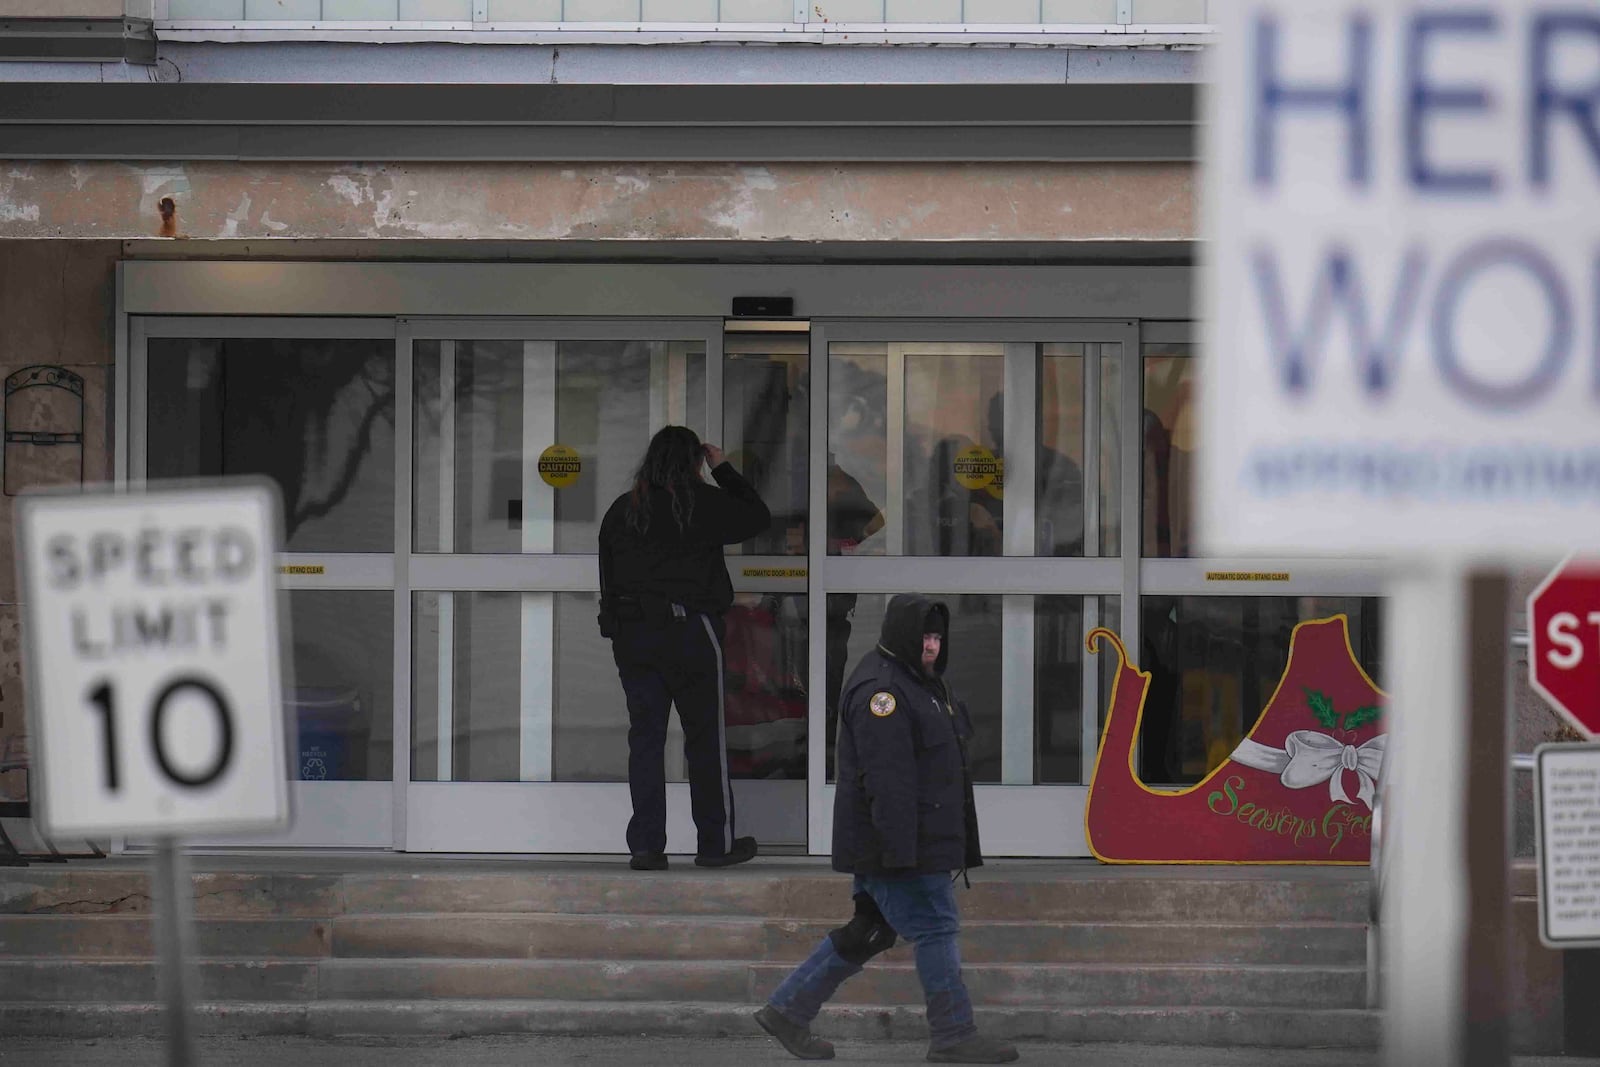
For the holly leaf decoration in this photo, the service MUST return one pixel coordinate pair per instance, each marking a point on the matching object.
(1322, 708)
(1362, 716)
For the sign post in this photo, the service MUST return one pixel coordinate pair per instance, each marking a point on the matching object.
(1402, 340)
(151, 634)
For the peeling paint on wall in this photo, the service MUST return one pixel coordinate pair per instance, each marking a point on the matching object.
(11, 212)
(787, 202)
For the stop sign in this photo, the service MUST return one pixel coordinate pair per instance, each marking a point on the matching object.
(1564, 636)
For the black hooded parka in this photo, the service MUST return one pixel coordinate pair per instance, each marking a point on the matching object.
(904, 803)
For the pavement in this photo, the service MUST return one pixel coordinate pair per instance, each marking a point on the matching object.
(645, 1052)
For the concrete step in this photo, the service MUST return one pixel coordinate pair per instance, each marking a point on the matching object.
(649, 937)
(1052, 951)
(996, 894)
(132, 936)
(893, 982)
(1215, 1026)
(656, 937)
(889, 980)
(85, 980)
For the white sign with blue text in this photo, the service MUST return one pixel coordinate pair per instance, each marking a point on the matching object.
(151, 632)
(1402, 281)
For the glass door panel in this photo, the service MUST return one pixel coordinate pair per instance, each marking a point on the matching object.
(315, 415)
(519, 724)
(1214, 663)
(954, 449)
(857, 451)
(766, 417)
(538, 437)
(343, 694)
(977, 439)
(309, 404)
(1079, 402)
(1168, 438)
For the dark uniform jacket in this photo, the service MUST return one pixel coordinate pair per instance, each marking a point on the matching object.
(643, 574)
(904, 803)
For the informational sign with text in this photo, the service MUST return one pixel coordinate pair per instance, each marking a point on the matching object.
(1568, 814)
(1402, 278)
(152, 644)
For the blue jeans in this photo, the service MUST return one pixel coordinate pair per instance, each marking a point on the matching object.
(922, 909)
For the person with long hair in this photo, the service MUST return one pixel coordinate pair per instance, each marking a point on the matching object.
(664, 588)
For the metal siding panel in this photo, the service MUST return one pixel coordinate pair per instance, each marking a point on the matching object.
(286, 10)
(436, 10)
(75, 9)
(524, 10)
(1080, 12)
(208, 9)
(848, 11)
(1004, 12)
(922, 11)
(757, 11)
(679, 11)
(360, 10)
(602, 11)
(1168, 12)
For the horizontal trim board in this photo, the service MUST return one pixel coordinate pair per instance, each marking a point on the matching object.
(764, 105)
(683, 250)
(1096, 36)
(72, 40)
(593, 122)
(545, 328)
(605, 144)
(289, 287)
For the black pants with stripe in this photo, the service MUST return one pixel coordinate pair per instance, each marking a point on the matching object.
(677, 661)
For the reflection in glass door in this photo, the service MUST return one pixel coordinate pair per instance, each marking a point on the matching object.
(1215, 646)
(309, 404)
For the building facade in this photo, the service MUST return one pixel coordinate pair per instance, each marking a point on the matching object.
(439, 268)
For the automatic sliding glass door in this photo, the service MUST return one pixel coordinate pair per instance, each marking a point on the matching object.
(309, 403)
(998, 445)
(522, 435)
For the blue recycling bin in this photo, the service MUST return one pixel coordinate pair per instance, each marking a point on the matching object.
(333, 734)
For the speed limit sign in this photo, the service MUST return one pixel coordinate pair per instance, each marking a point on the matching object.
(150, 624)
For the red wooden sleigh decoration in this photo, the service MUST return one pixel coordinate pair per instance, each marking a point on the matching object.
(1298, 789)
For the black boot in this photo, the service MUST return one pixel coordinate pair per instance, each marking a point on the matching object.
(798, 1040)
(744, 848)
(975, 1049)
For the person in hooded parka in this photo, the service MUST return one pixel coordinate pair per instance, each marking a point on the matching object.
(905, 825)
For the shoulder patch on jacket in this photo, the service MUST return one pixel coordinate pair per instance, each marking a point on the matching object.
(882, 704)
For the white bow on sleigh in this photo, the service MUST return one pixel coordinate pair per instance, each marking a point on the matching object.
(1308, 758)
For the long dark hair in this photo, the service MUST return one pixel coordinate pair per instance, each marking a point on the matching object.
(671, 462)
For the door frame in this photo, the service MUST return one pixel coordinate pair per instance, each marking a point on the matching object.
(408, 300)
